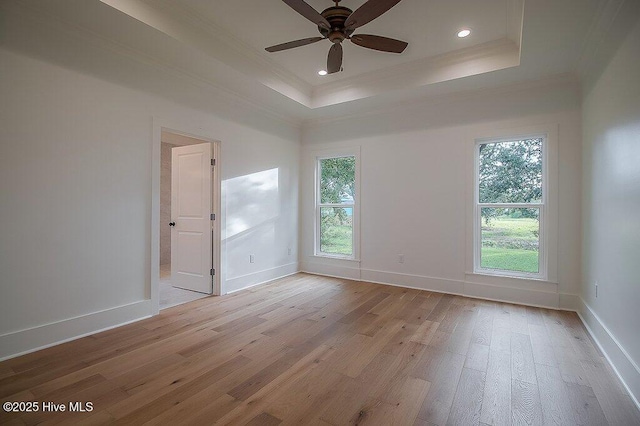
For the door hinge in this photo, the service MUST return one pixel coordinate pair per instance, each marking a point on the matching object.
(212, 272)
(213, 161)
(213, 216)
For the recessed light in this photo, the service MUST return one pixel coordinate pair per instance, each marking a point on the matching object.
(464, 33)
(322, 72)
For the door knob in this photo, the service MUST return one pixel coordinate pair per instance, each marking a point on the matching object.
(172, 224)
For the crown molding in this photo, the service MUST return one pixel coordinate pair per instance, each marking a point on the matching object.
(487, 57)
(560, 80)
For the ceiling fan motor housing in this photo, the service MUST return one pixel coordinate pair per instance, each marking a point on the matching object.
(336, 15)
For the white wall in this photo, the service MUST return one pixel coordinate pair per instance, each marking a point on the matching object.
(611, 201)
(416, 180)
(75, 201)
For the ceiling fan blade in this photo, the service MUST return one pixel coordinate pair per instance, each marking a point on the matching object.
(383, 44)
(334, 60)
(292, 44)
(308, 12)
(368, 12)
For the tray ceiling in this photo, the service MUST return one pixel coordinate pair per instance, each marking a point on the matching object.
(210, 52)
(435, 53)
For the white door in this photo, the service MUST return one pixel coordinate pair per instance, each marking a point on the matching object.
(191, 252)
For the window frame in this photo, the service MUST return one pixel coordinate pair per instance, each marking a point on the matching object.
(355, 234)
(543, 206)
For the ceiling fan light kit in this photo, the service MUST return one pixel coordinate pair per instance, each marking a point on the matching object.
(337, 23)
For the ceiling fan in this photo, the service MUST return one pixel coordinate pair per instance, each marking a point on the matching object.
(338, 23)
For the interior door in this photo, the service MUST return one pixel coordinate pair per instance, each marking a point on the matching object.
(191, 249)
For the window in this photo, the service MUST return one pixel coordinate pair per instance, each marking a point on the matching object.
(510, 207)
(336, 206)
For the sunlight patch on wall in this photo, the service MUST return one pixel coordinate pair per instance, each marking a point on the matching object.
(251, 200)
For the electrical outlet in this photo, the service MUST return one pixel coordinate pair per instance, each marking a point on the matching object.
(289, 251)
(401, 258)
(596, 289)
(252, 258)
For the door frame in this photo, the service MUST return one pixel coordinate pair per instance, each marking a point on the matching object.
(196, 132)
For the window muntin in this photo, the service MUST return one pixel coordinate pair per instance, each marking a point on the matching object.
(510, 207)
(335, 206)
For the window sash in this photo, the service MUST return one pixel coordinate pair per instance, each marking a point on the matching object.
(542, 263)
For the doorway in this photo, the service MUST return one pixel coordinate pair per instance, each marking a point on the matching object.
(189, 191)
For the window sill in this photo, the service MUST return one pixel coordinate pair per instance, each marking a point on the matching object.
(489, 273)
(328, 256)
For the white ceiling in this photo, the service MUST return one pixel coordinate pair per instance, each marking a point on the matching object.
(429, 27)
(217, 46)
(240, 30)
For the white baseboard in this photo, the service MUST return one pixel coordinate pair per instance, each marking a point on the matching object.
(256, 278)
(43, 336)
(502, 293)
(420, 282)
(337, 271)
(624, 366)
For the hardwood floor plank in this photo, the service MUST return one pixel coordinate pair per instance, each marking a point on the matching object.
(325, 351)
(518, 319)
(264, 419)
(304, 400)
(450, 320)
(259, 380)
(477, 357)
(467, 402)
(522, 364)
(586, 407)
(425, 332)
(534, 316)
(500, 338)
(400, 339)
(440, 310)
(401, 401)
(355, 361)
(414, 312)
(554, 398)
(460, 340)
(569, 366)
(502, 318)
(437, 404)
(440, 340)
(525, 403)
(364, 308)
(348, 404)
(429, 364)
(541, 346)
(483, 327)
(496, 404)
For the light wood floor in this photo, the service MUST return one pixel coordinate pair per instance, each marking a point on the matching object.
(323, 351)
